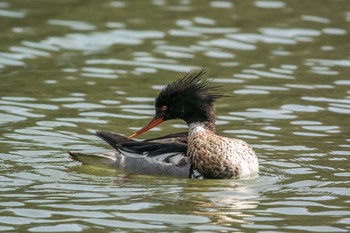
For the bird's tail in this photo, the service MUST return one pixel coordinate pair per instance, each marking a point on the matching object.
(105, 159)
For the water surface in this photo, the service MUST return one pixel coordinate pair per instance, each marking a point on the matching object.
(68, 68)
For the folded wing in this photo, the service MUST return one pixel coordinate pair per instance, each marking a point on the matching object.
(159, 156)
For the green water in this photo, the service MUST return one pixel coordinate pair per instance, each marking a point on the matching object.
(68, 68)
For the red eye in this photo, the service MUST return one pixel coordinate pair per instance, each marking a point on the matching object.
(164, 108)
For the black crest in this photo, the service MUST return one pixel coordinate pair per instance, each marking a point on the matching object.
(190, 98)
(192, 87)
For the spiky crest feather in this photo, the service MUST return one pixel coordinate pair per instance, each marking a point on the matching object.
(190, 98)
(192, 87)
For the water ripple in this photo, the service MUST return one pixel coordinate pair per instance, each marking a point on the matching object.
(317, 19)
(12, 14)
(122, 116)
(99, 65)
(75, 25)
(270, 4)
(298, 34)
(229, 44)
(162, 66)
(265, 113)
(64, 227)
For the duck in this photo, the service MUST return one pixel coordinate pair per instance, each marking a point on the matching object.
(199, 153)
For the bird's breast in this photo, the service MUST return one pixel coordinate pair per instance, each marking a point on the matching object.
(220, 157)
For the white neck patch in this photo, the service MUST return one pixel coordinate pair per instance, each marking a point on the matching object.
(196, 127)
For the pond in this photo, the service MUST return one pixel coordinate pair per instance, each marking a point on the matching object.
(69, 68)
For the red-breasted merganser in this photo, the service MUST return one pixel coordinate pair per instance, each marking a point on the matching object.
(201, 153)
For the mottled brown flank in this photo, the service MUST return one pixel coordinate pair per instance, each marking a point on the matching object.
(218, 157)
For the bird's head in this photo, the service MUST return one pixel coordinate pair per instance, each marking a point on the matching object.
(190, 98)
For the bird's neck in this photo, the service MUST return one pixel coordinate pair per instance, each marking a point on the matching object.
(206, 121)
